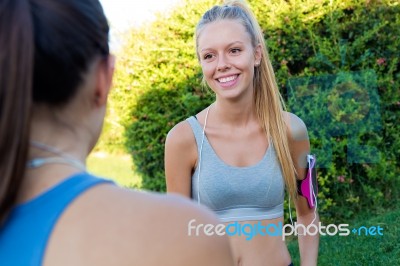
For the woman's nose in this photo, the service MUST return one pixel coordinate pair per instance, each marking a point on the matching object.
(223, 64)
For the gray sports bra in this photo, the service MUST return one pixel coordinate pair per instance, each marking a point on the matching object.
(237, 193)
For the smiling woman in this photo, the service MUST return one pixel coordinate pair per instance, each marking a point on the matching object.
(237, 155)
(228, 59)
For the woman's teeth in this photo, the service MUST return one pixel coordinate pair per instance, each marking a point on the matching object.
(227, 79)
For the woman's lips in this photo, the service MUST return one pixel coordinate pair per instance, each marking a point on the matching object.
(228, 81)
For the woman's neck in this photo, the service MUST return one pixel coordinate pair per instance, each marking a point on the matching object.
(234, 114)
(60, 135)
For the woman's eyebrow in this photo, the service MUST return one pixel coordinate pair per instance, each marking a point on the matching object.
(230, 44)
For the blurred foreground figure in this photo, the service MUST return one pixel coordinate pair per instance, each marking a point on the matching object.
(55, 76)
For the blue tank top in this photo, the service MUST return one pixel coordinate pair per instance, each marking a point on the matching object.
(237, 193)
(24, 236)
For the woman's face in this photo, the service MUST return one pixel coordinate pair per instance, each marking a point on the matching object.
(227, 58)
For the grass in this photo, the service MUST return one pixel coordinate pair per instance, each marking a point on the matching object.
(117, 167)
(360, 249)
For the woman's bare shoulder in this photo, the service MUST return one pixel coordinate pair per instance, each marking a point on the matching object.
(296, 126)
(180, 149)
(181, 134)
(146, 228)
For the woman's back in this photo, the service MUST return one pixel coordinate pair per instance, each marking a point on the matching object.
(30, 224)
(103, 224)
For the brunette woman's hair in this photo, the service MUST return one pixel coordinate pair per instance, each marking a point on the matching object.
(46, 48)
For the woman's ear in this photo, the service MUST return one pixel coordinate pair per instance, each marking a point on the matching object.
(257, 55)
(105, 72)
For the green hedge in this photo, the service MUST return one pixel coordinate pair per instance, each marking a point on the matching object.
(340, 74)
(337, 63)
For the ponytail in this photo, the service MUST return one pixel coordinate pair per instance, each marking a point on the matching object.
(16, 72)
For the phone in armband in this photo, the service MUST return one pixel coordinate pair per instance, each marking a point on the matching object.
(308, 187)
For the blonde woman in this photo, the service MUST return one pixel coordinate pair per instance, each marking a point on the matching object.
(239, 154)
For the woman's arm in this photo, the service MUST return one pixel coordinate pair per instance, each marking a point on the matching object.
(299, 148)
(180, 159)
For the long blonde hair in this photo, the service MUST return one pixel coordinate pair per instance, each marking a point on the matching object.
(269, 103)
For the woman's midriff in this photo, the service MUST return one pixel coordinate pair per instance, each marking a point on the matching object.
(261, 249)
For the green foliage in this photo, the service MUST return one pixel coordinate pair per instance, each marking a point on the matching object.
(343, 82)
(337, 65)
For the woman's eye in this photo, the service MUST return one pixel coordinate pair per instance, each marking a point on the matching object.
(207, 56)
(235, 50)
